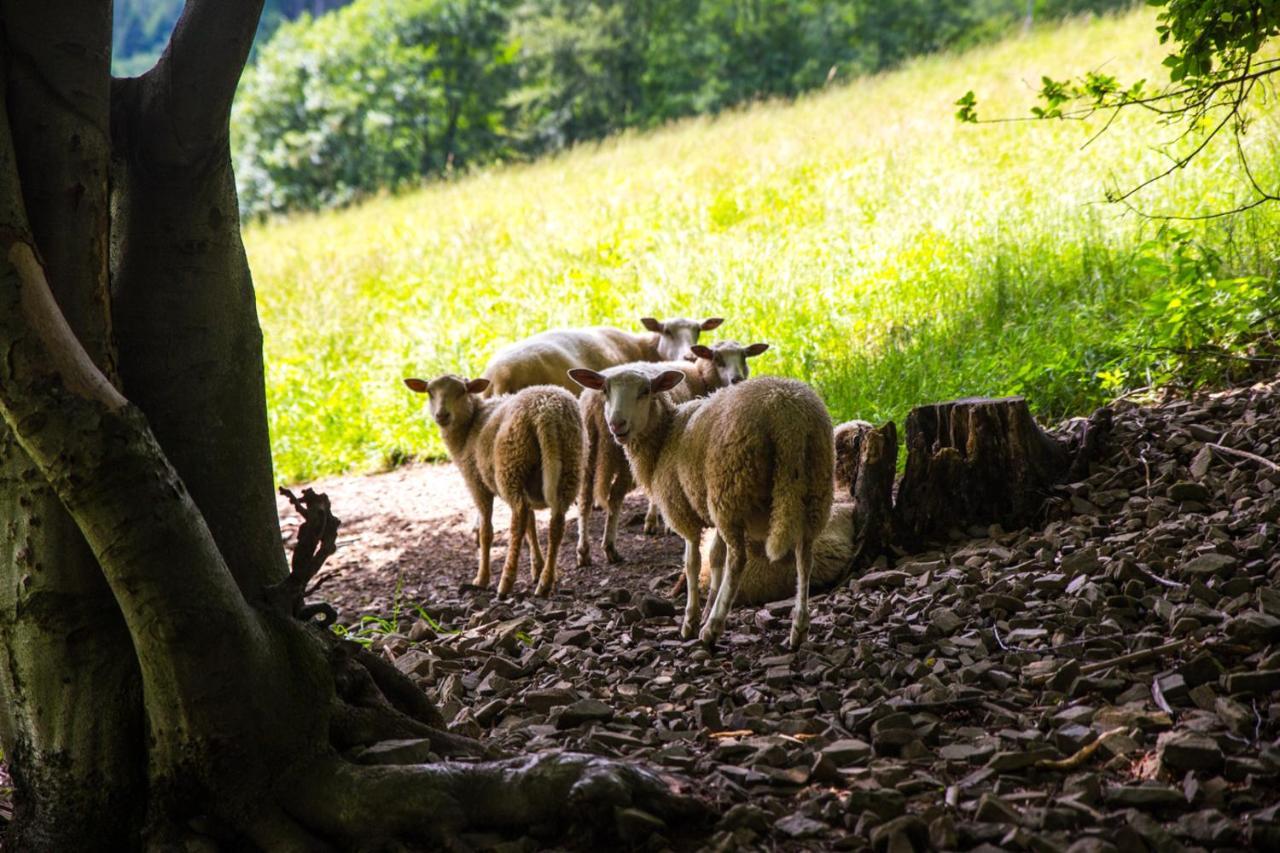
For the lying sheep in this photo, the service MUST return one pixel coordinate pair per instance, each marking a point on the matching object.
(764, 581)
(606, 478)
(524, 447)
(545, 359)
(755, 461)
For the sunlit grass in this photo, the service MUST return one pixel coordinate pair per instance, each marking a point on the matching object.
(890, 255)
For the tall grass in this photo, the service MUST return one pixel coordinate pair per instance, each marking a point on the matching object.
(890, 255)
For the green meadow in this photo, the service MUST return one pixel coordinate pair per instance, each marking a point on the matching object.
(889, 254)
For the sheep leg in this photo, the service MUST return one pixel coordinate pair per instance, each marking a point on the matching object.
(484, 539)
(585, 505)
(737, 560)
(555, 533)
(692, 568)
(536, 560)
(717, 558)
(612, 513)
(519, 523)
(652, 519)
(800, 613)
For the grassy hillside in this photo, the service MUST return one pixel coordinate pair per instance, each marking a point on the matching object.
(891, 255)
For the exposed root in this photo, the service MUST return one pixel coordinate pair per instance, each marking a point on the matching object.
(376, 702)
(317, 540)
(435, 801)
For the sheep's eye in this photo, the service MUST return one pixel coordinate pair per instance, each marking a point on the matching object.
(644, 392)
(719, 361)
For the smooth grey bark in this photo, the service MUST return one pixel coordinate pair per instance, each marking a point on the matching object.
(241, 703)
(73, 743)
(182, 296)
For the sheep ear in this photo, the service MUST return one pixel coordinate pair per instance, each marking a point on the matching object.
(419, 385)
(477, 386)
(711, 322)
(666, 380)
(587, 378)
(756, 349)
(702, 351)
(651, 324)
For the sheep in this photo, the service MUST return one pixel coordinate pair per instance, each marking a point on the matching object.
(606, 477)
(764, 581)
(524, 447)
(545, 359)
(755, 461)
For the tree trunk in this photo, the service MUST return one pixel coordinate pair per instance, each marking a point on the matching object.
(74, 743)
(156, 678)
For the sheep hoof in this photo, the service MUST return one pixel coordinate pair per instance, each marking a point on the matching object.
(709, 636)
(652, 528)
(613, 555)
(797, 638)
(584, 559)
(504, 587)
(689, 628)
(544, 589)
(480, 582)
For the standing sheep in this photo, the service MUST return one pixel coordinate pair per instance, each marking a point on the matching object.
(545, 359)
(755, 461)
(524, 447)
(606, 478)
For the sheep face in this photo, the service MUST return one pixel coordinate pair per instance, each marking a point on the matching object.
(729, 360)
(452, 398)
(629, 397)
(677, 337)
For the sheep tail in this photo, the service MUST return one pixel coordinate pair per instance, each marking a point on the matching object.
(552, 465)
(787, 509)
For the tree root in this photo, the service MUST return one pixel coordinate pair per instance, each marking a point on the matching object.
(377, 702)
(434, 802)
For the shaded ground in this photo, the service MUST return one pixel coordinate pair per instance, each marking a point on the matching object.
(1109, 681)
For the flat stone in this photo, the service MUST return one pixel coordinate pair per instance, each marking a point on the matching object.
(543, 701)
(1145, 796)
(945, 620)
(1254, 626)
(883, 580)
(799, 826)
(992, 809)
(572, 637)
(886, 803)
(1260, 682)
(584, 711)
(1189, 491)
(1184, 750)
(652, 606)
(848, 751)
(411, 751)
(1208, 565)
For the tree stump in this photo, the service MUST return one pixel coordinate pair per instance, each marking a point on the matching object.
(866, 463)
(979, 461)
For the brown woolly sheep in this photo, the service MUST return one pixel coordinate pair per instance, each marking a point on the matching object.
(524, 447)
(754, 461)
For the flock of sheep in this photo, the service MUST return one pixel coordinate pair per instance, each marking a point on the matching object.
(752, 460)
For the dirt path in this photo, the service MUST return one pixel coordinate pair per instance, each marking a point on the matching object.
(412, 529)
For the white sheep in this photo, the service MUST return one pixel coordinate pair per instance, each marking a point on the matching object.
(764, 580)
(524, 447)
(755, 461)
(606, 476)
(545, 359)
